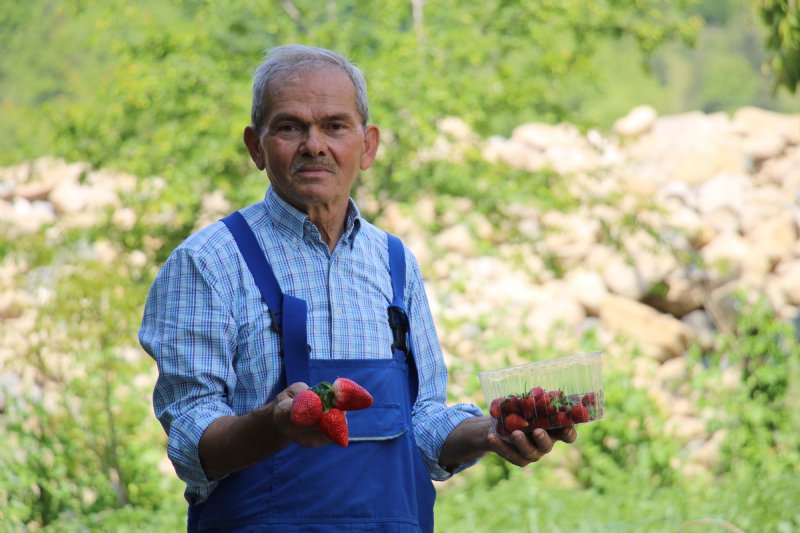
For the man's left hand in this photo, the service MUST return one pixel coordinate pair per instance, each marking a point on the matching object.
(524, 449)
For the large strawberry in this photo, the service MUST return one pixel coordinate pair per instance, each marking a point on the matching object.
(349, 395)
(306, 408)
(333, 425)
(562, 419)
(527, 404)
(513, 421)
(511, 405)
(579, 413)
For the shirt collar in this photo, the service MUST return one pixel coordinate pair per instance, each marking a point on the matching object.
(289, 218)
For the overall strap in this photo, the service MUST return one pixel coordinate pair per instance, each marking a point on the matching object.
(398, 316)
(287, 313)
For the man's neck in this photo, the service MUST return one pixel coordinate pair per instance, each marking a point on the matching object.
(329, 223)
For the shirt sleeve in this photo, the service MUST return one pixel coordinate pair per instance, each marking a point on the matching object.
(433, 420)
(190, 333)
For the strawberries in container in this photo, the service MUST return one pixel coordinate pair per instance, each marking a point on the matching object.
(548, 394)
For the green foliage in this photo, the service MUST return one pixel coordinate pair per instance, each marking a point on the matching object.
(767, 405)
(163, 88)
(81, 440)
(623, 475)
(782, 20)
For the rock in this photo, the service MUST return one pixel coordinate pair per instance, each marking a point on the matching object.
(587, 288)
(663, 336)
(638, 121)
(13, 304)
(729, 256)
(774, 237)
(124, 219)
(622, 278)
(457, 239)
(722, 190)
(787, 276)
(682, 296)
(753, 121)
(703, 328)
(457, 129)
(673, 370)
(764, 146)
(514, 154)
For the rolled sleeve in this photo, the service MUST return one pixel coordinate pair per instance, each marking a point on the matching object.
(190, 333)
(432, 430)
(433, 420)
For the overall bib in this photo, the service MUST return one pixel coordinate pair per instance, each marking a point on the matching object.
(378, 482)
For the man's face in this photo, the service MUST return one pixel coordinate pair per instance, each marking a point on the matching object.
(312, 143)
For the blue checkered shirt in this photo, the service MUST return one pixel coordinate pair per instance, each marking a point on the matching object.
(208, 329)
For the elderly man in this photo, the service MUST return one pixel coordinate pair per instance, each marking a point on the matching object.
(295, 290)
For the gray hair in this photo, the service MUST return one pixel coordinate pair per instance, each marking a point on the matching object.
(295, 57)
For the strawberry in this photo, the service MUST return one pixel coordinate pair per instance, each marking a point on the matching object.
(541, 422)
(511, 405)
(306, 408)
(551, 405)
(513, 422)
(349, 395)
(494, 408)
(541, 406)
(537, 393)
(333, 425)
(556, 394)
(562, 419)
(527, 405)
(579, 413)
(589, 399)
(499, 428)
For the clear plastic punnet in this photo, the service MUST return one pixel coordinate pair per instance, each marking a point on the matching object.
(558, 392)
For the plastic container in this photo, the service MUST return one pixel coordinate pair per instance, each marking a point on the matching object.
(548, 394)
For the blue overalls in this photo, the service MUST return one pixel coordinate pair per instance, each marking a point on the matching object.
(378, 482)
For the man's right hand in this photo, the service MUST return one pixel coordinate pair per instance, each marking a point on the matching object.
(231, 443)
(309, 436)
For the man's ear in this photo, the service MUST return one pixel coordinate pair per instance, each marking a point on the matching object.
(253, 143)
(372, 138)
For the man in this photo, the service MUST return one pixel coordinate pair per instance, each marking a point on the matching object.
(291, 291)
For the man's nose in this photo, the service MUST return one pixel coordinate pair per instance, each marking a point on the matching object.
(314, 142)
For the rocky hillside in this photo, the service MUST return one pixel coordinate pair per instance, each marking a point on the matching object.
(677, 214)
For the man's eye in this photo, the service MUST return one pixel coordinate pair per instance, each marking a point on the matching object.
(287, 127)
(337, 126)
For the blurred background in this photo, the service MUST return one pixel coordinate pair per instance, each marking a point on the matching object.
(572, 176)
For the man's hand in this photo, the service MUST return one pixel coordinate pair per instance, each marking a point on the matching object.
(475, 436)
(231, 443)
(303, 435)
(524, 449)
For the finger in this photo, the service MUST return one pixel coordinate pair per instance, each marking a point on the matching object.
(566, 434)
(542, 441)
(296, 388)
(510, 453)
(569, 434)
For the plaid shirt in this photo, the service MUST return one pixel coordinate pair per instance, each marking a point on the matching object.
(208, 329)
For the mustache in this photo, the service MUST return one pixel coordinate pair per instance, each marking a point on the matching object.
(303, 163)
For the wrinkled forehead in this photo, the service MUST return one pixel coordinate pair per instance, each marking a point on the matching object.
(328, 87)
(320, 74)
